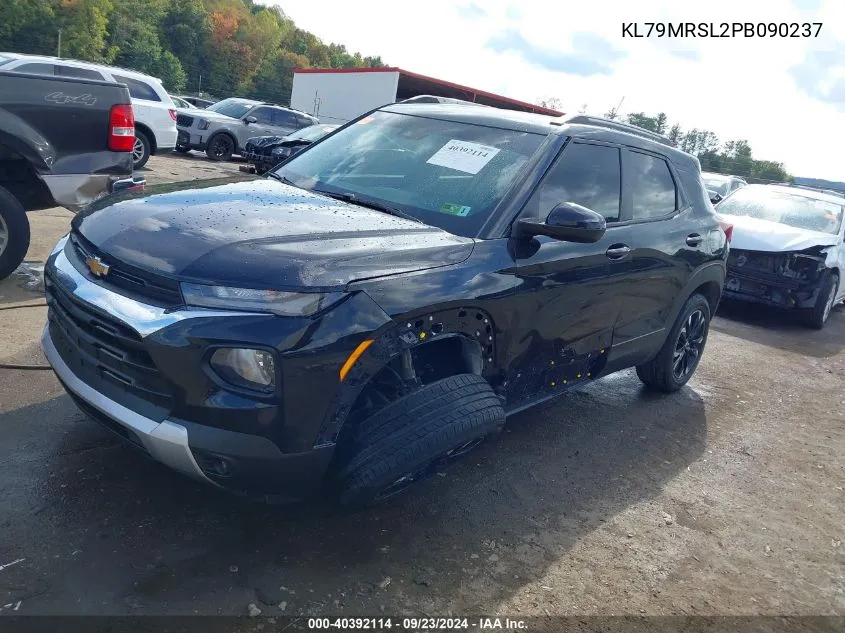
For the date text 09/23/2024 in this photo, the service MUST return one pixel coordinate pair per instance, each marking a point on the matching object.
(721, 29)
(418, 624)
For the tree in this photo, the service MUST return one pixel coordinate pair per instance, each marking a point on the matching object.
(552, 103)
(29, 25)
(84, 25)
(274, 79)
(183, 31)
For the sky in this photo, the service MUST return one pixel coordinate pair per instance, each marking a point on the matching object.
(785, 96)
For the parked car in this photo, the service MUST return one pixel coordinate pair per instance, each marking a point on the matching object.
(720, 185)
(223, 129)
(265, 152)
(787, 249)
(198, 102)
(377, 305)
(155, 115)
(182, 104)
(63, 141)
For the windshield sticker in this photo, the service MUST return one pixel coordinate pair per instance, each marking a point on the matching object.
(463, 156)
(455, 209)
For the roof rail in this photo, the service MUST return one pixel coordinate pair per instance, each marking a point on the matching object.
(437, 99)
(586, 119)
(832, 192)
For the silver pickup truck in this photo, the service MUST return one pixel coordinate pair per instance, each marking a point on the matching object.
(63, 142)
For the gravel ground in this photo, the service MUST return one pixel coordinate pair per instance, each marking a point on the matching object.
(725, 498)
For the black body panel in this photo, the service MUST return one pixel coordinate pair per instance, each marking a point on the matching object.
(533, 315)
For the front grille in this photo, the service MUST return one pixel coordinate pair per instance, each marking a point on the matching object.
(137, 283)
(753, 261)
(183, 120)
(91, 342)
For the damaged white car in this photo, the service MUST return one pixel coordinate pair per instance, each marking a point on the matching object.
(787, 249)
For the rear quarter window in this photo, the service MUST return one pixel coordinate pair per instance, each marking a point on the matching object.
(653, 192)
(138, 89)
(36, 69)
(82, 73)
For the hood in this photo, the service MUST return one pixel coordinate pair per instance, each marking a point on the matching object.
(209, 115)
(261, 233)
(754, 234)
(261, 142)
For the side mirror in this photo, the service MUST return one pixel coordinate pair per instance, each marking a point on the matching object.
(715, 198)
(250, 119)
(569, 222)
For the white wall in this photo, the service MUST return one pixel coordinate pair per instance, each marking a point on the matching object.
(343, 96)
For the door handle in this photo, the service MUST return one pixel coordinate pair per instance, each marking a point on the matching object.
(618, 251)
(694, 239)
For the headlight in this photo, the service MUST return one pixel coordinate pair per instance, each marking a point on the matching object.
(271, 301)
(203, 124)
(245, 367)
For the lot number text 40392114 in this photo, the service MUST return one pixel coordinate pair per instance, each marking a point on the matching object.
(721, 29)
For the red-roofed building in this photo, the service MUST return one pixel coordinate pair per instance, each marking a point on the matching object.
(337, 95)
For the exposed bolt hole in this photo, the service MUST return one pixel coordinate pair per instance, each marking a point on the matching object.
(489, 329)
(418, 323)
(462, 313)
(479, 316)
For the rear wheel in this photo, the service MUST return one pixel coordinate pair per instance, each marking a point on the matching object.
(678, 359)
(818, 315)
(411, 438)
(220, 146)
(141, 150)
(14, 233)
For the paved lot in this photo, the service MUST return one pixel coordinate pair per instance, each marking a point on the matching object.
(725, 498)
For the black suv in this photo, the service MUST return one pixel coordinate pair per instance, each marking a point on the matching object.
(378, 304)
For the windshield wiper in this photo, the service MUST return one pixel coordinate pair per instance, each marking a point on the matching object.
(370, 204)
(283, 179)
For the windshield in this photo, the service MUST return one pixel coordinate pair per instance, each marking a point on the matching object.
(446, 174)
(234, 108)
(794, 210)
(719, 186)
(310, 133)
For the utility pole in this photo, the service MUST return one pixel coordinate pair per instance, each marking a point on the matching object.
(59, 49)
(199, 91)
(615, 111)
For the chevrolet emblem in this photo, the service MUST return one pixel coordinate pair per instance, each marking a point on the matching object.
(97, 267)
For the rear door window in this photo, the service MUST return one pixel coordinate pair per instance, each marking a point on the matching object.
(138, 89)
(653, 192)
(284, 118)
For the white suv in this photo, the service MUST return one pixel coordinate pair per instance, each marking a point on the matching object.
(155, 114)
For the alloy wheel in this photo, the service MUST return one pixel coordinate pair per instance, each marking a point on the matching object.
(689, 345)
(4, 235)
(137, 150)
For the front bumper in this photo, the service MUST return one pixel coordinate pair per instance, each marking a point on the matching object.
(165, 441)
(189, 139)
(140, 370)
(766, 291)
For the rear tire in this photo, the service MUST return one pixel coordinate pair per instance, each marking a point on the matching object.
(14, 233)
(817, 316)
(220, 146)
(141, 150)
(678, 359)
(407, 440)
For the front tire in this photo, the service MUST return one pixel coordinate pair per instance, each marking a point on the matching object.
(817, 316)
(220, 146)
(141, 150)
(678, 359)
(14, 233)
(407, 440)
